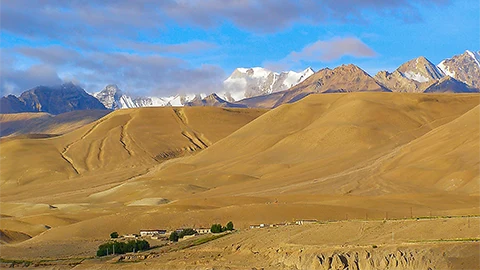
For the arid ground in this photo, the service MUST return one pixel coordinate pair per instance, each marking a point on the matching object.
(392, 178)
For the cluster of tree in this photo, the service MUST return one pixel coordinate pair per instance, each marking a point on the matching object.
(122, 247)
(174, 236)
(114, 235)
(217, 228)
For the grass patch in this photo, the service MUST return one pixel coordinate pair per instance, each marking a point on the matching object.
(206, 239)
(197, 242)
(446, 240)
(44, 262)
(14, 262)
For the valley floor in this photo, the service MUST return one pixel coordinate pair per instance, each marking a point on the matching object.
(418, 243)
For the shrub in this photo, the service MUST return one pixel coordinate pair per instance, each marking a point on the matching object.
(216, 228)
(122, 247)
(229, 226)
(173, 237)
(114, 235)
(186, 232)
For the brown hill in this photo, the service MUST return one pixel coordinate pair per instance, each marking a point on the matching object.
(342, 132)
(445, 159)
(7, 236)
(327, 147)
(326, 157)
(125, 140)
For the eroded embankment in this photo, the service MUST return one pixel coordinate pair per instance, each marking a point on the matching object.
(440, 256)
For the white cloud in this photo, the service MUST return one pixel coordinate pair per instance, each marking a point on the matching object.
(325, 51)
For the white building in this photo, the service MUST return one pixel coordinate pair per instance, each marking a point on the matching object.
(144, 233)
(306, 221)
(202, 230)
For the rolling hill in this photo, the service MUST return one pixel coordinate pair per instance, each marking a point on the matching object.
(327, 157)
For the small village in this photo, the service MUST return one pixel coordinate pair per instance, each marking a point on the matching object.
(163, 234)
(297, 222)
(159, 234)
(137, 242)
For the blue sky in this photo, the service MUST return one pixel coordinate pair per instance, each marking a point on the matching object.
(167, 47)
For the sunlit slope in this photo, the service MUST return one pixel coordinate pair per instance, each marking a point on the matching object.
(44, 123)
(124, 139)
(335, 144)
(446, 158)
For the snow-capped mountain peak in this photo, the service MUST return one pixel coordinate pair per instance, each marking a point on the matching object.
(420, 70)
(250, 82)
(463, 67)
(113, 98)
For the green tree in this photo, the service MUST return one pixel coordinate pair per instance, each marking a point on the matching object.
(229, 226)
(173, 237)
(114, 235)
(188, 231)
(216, 228)
(122, 247)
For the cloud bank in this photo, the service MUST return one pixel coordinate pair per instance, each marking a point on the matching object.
(324, 51)
(101, 42)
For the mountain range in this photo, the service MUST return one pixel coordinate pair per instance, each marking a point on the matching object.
(262, 88)
(242, 83)
(51, 99)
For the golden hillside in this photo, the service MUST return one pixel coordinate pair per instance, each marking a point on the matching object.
(332, 139)
(125, 140)
(326, 157)
(308, 154)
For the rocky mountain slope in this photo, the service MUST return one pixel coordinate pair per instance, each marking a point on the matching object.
(55, 100)
(215, 101)
(448, 84)
(12, 104)
(345, 78)
(464, 67)
(413, 76)
(420, 70)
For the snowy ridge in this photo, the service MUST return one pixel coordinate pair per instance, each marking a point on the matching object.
(415, 76)
(242, 83)
(250, 82)
(113, 98)
(420, 70)
(475, 56)
(463, 67)
(445, 69)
